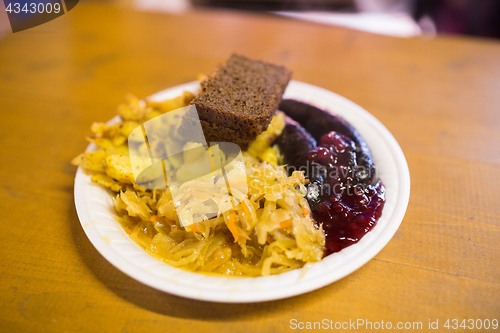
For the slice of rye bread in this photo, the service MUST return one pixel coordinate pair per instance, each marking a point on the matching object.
(238, 100)
(216, 133)
(212, 132)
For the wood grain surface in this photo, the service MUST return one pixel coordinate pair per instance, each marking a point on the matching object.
(440, 98)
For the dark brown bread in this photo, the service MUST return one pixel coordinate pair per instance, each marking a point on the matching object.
(212, 132)
(238, 100)
(216, 133)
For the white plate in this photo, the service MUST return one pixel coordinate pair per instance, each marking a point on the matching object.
(95, 210)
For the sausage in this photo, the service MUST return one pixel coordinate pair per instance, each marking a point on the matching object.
(319, 122)
(294, 143)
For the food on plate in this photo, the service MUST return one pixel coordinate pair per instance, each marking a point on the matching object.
(311, 186)
(294, 143)
(236, 103)
(343, 191)
(270, 232)
(319, 122)
(342, 196)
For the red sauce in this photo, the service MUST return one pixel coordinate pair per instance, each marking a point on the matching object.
(347, 207)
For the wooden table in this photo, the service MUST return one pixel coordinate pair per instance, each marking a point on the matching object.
(440, 98)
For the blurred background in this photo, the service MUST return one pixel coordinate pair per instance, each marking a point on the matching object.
(399, 18)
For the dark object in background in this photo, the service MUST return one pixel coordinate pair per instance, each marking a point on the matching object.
(271, 5)
(470, 17)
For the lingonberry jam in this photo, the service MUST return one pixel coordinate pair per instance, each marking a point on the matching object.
(342, 197)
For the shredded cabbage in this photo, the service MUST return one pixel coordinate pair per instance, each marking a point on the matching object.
(269, 231)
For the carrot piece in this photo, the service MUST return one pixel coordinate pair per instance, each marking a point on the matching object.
(232, 227)
(285, 224)
(172, 223)
(195, 228)
(201, 195)
(188, 193)
(245, 208)
(155, 218)
(306, 213)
